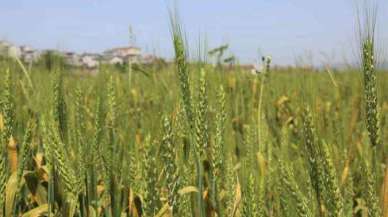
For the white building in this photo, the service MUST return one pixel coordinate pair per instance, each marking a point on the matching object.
(4, 47)
(28, 54)
(31, 56)
(131, 54)
(14, 51)
(90, 60)
(26, 49)
(73, 59)
(124, 51)
(116, 61)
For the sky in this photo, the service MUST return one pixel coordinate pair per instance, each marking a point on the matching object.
(317, 31)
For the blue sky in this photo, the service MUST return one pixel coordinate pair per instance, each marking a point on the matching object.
(285, 29)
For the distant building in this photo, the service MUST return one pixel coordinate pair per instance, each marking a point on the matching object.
(116, 61)
(28, 54)
(72, 59)
(8, 49)
(124, 51)
(31, 56)
(115, 56)
(90, 60)
(131, 54)
(14, 51)
(26, 49)
(4, 45)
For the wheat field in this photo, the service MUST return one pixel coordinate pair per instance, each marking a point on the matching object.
(191, 139)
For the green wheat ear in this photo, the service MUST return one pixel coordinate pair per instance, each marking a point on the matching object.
(201, 124)
(370, 192)
(370, 92)
(333, 197)
(169, 156)
(8, 108)
(292, 188)
(313, 149)
(3, 178)
(25, 151)
(182, 68)
(218, 150)
(111, 125)
(367, 19)
(65, 170)
(59, 105)
(184, 205)
(79, 118)
(250, 203)
(367, 28)
(184, 84)
(150, 174)
(7, 111)
(230, 185)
